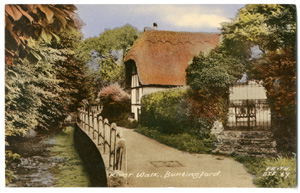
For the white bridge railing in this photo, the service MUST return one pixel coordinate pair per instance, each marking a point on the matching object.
(107, 137)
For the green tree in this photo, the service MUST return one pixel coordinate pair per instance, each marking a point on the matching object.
(272, 29)
(213, 74)
(30, 31)
(72, 71)
(109, 49)
(269, 26)
(43, 77)
(209, 77)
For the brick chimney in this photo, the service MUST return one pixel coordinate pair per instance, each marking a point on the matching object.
(155, 26)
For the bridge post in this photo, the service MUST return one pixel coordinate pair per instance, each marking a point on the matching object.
(113, 138)
(82, 117)
(79, 120)
(85, 121)
(89, 120)
(97, 129)
(100, 130)
(93, 124)
(82, 114)
(105, 134)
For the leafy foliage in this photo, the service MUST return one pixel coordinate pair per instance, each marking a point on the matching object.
(73, 72)
(109, 71)
(121, 38)
(43, 78)
(35, 21)
(116, 103)
(113, 93)
(214, 73)
(271, 28)
(209, 77)
(9, 158)
(107, 52)
(161, 109)
(175, 112)
(41, 89)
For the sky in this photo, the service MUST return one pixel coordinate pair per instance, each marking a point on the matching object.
(177, 17)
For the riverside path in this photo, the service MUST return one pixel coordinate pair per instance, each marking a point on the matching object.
(152, 164)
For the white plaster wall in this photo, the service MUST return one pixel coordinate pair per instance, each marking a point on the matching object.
(133, 96)
(149, 90)
(263, 116)
(252, 91)
(134, 109)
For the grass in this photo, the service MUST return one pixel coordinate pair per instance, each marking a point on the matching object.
(277, 172)
(70, 171)
(182, 141)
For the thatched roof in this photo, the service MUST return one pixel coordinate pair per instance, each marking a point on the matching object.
(161, 57)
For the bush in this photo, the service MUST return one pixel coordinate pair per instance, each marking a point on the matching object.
(123, 120)
(113, 93)
(162, 109)
(116, 105)
(174, 111)
(174, 118)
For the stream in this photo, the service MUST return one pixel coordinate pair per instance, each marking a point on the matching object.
(48, 162)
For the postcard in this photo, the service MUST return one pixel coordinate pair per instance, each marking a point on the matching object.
(151, 95)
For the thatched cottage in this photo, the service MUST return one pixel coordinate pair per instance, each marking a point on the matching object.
(158, 60)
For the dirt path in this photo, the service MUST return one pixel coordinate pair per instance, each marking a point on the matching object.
(152, 164)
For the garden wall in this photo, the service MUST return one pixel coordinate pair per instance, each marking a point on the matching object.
(252, 143)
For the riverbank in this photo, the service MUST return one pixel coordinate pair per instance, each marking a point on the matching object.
(70, 171)
(49, 162)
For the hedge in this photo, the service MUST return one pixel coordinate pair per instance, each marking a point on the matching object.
(172, 111)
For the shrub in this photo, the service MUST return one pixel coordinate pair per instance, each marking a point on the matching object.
(113, 93)
(162, 109)
(179, 120)
(175, 111)
(116, 105)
